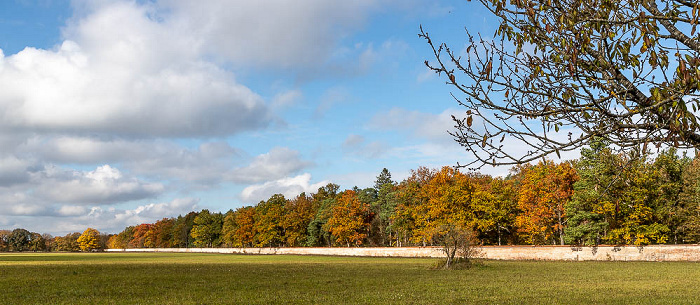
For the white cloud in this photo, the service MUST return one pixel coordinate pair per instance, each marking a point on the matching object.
(289, 187)
(71, 210)
(13, 171)
(208, 164)
(120, 71)
(40, 187)
(156, 211)
(104, 185)
(105, 220)
(279, 162)
(274, 33)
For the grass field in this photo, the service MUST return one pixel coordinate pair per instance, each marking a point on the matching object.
(179, 278)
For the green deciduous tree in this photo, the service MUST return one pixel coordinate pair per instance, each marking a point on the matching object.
(19, 240)
(689, 203)
(268, 222)
(206, 229)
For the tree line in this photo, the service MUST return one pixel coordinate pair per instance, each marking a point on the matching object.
(19, 240)
(604, 197)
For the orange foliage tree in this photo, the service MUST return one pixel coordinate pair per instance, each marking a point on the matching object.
(544, 192)
(142, 236)
(242, 230)
(350, 219)
(445, 198)
(299, 212)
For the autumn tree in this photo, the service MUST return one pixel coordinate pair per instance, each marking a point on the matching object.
(37, 242)
(242, 224)
(545, 190)
(299, 212)
(121, 240)
(637, 220)
(163, 231)
(409, 199)
(48, 241)
(142, 236)
(228, 228)
(349, 222)
(89, 240)
(561, 73)
(446, 197)
(67, 243)
(4, 235)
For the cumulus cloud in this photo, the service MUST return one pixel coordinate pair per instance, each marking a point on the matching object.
(13, 171)
(289, 187)
(279, 162)
(276, 33)
(50, 185)
(120, 71)
(205, 165)
(104, 185)
(106, 220)
(152, 211)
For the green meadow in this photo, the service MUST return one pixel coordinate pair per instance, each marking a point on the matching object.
(179, 278)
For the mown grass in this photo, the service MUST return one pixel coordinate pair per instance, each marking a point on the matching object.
(179, 278)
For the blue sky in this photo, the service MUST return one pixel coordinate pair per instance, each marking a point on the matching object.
(115, 113)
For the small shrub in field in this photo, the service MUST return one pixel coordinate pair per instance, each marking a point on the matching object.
(459, 244)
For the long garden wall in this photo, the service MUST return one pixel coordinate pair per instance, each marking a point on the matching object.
(601, 253)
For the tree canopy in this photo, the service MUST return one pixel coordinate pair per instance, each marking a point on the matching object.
(560, 73)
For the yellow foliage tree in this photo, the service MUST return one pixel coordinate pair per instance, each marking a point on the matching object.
(89, 240)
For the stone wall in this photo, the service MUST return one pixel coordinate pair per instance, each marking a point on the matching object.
(601, 253)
